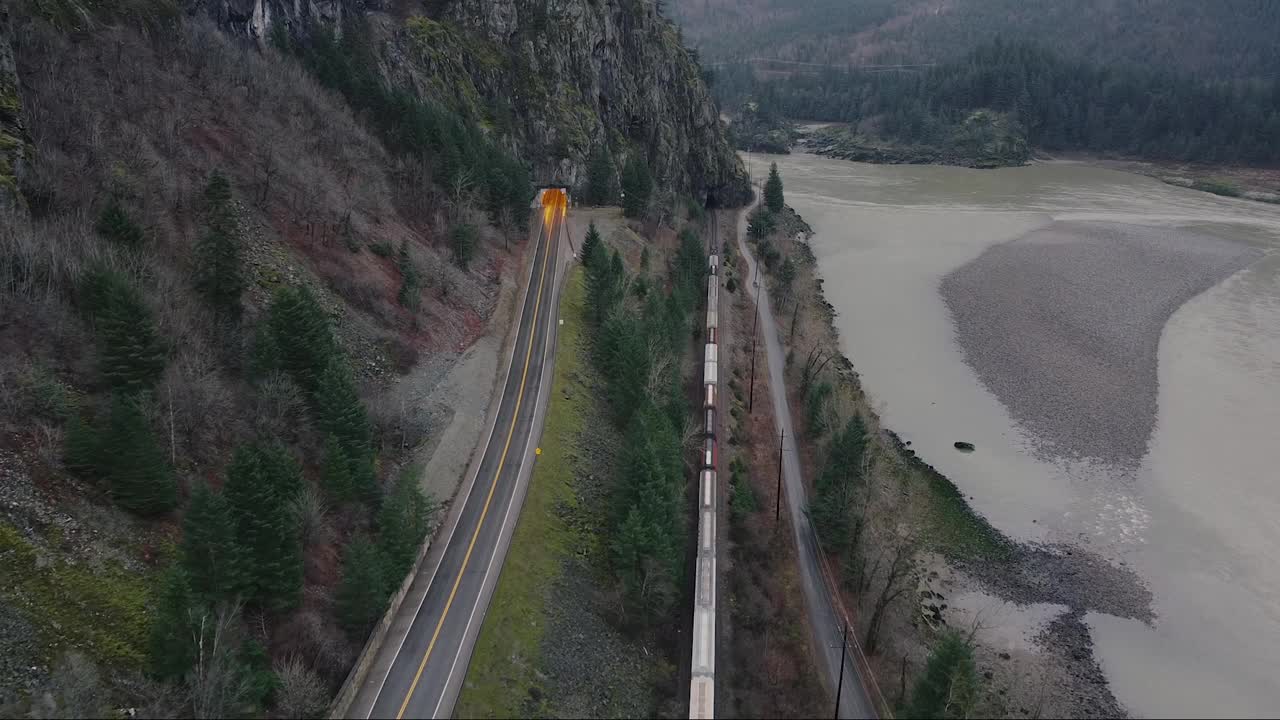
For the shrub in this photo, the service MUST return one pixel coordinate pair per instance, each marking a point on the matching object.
(115, 224)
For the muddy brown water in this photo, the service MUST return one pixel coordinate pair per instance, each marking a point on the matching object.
(1023, 309)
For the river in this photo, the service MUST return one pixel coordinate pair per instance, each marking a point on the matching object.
(1111, 345)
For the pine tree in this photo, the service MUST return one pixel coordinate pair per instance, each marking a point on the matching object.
(133, 463)
(339, 412)
(463, 241)
(362, 595)
(335, 474)
(410, 280)
(637, 185)
(773, 190)
(591, 249)
(115, 225)
(303, 338)
(210, 553)
(82, 455)
(835, 486)
(264, 352)
(131, 354)
(600, 190)
(786, 276)
(175, 630)
(402, 524)
(364, 478)
(262, 482)
(219, 272)
(761, 224)
(948, 687)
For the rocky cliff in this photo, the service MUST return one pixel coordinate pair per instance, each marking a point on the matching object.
(554, 79)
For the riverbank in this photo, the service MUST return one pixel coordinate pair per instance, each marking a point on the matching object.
(769, 669)
(984, 140)
(835, 140)
(1249, 183)
(955, 569)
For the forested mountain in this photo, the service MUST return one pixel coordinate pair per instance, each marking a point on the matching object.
(1231, 39)
(1054, 102)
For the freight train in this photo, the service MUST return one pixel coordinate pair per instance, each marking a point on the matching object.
(702, 675)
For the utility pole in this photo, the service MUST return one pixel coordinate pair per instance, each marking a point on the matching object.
(751, 397)
(777, 508)
(844, 646)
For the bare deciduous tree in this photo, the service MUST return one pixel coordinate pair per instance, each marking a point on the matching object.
(217, 686)
(897, 581)
(301, 693)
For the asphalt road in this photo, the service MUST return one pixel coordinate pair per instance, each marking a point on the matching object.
(420, 668)
(825, 621)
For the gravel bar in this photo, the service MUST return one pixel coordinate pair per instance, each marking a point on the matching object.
(1063, 325)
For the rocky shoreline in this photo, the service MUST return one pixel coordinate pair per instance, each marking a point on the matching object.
(1019, 575)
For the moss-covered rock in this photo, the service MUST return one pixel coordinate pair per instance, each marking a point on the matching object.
(99, 611)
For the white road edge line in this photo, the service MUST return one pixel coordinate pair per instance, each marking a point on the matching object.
(471, 483)
(506, 517)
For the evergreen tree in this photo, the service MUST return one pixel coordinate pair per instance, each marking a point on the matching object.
(786, 276)
(83, 450)
(463, 241)
(625, 358)
(761, 223)
(948, 687)
(591, 249)
(115, 225)
(773, 190)
(402, 524)
(175, 629)
(219, 272)
(303, 338)
(600, 187)
(131, 354)
(262, 482)
(210, 553)
(362, 595)
(339, 412)
(637, 186)
(335, 474)
(264, 352)
(139, 474)
(835, 486)
(410, 280)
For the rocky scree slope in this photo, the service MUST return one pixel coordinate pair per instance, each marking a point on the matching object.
(554, 79)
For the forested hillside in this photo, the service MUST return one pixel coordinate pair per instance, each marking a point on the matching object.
(1219, 40)
(1029, 93)
(241, 244)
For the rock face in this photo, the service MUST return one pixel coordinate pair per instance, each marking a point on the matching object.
(13, 144)
(553, 78)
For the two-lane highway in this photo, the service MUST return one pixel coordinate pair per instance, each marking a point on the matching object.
(419, 670)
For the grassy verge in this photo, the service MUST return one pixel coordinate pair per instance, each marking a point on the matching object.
(504, 668)
(1217, 187)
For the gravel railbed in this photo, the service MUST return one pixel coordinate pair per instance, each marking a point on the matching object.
(1063, 325)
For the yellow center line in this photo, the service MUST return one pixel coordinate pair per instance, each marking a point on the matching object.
(533, 330)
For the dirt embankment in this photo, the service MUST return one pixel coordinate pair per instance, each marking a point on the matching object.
(1023, 605)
